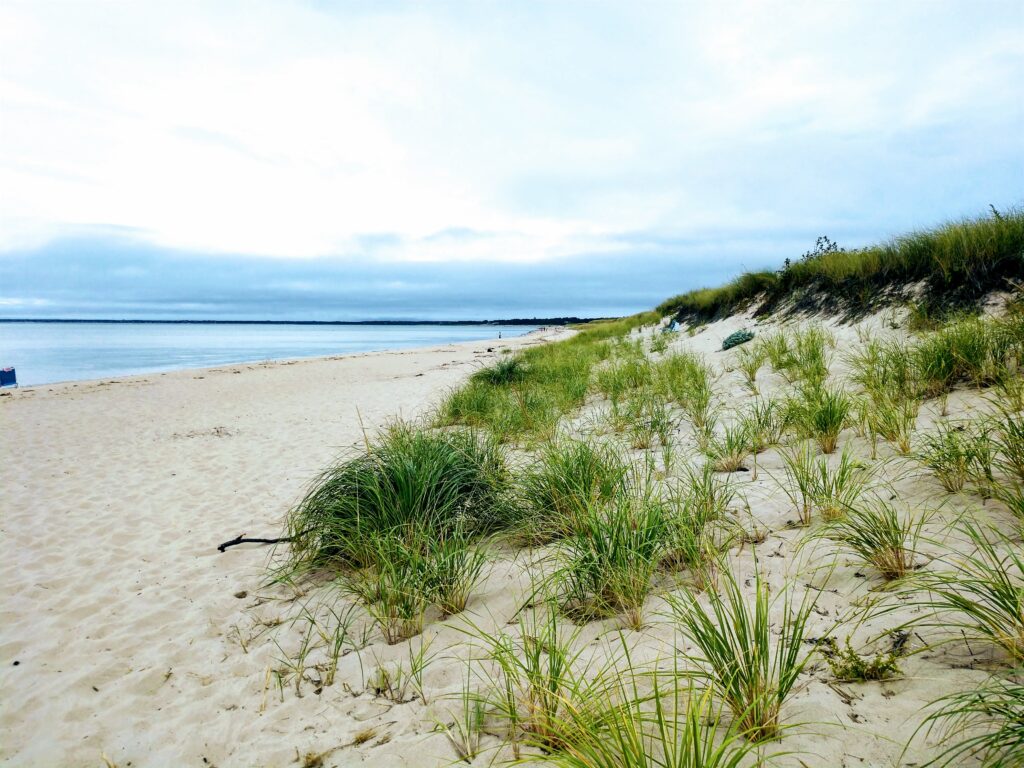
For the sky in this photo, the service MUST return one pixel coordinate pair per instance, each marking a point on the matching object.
(367, 160)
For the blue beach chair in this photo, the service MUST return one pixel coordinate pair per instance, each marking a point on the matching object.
(8, 377)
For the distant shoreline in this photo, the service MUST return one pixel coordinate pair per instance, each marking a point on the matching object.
(513, 321)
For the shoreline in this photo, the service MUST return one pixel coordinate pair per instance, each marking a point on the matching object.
(269, 362)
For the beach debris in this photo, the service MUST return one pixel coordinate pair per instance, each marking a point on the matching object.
(737, 338)
(240, 539)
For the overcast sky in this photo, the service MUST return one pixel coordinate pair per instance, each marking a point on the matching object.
(349, 160)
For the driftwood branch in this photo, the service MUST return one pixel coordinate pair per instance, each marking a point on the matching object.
(242, 540)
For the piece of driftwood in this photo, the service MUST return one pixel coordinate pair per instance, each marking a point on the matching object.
(242, 540)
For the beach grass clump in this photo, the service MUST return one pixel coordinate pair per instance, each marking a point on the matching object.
(874, 533)
(727, 451)
(811, 355)
(894, 420)
(661, 341)
(821, 413)
(749, 657)
(884, 370)
(949, 453)
(836, 489)
(749, 360)
(641, 720)
(609, 561)
(509, 370)
(568, 478)
(983, 726)
(687, 380)
(622, 376)
(699, 531)
(959, 261)
(455, 565)
(408, 480)
(974, 350)
(538, 682)
(395, 589)
(982, 594)
(1008, 437)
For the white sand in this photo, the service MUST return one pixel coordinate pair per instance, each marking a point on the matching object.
(129, 636)
(114, 495)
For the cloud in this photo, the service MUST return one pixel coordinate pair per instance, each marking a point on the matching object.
(551, 136)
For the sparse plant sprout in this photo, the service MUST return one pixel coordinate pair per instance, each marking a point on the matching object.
(874, 532)
(764, 421)
(466, 728)
(751, 659)
(400, 681)
(847, 665)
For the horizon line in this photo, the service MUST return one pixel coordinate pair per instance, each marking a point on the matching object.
(561, 320)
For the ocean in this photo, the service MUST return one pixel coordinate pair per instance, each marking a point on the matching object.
(45, 353)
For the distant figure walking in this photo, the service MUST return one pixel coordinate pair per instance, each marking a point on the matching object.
(499, 334)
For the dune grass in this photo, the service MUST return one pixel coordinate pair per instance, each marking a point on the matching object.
(406, 481)
(982, 594)
(568, 478)
(985, 724)
(820, 413)
(524, 396)
(876, 534)
(750, 659)
(608, 564)
(949, 454)
(960, 261)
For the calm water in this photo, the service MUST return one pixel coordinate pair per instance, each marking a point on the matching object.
(44, 353)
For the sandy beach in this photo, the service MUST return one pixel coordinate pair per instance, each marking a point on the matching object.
(117, 607)
(129, 640)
